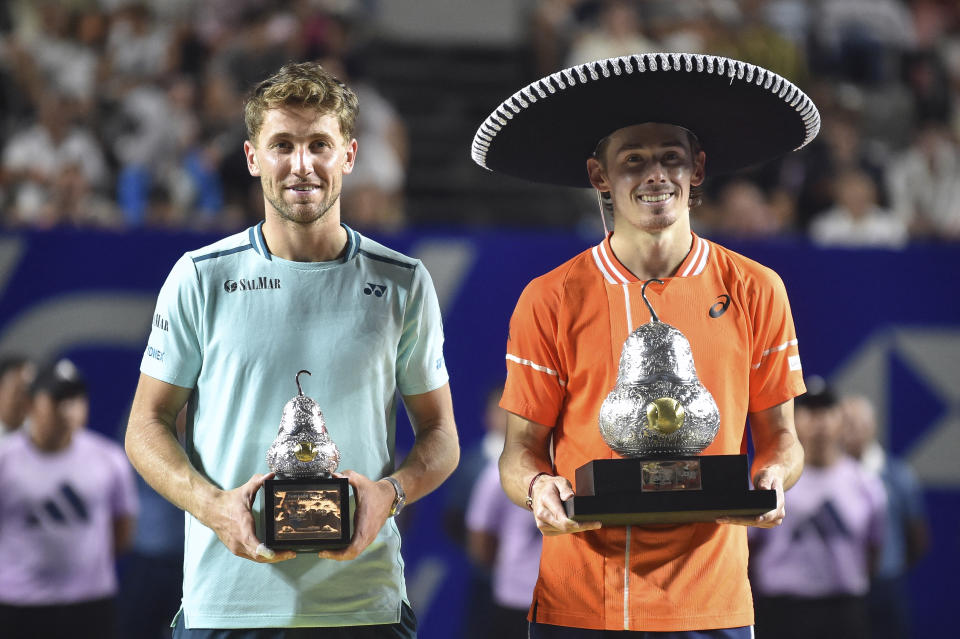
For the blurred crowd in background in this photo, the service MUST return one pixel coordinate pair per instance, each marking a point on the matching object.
(122, 114)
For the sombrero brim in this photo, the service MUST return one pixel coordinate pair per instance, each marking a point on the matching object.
(742, 114)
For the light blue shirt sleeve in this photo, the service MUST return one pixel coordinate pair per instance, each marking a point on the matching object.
(173, 352)
(420, 365)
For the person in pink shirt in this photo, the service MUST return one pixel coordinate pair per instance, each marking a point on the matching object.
(810, 576)
(67, 508)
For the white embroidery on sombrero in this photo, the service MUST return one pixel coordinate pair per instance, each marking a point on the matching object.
(642, 63)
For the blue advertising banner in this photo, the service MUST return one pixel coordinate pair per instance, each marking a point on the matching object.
(885, 324)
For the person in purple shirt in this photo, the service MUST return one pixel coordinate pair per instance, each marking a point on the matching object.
(67, 508)
(503, 538)
(810, 576)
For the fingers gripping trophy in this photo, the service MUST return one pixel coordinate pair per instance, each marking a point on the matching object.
(306, 507)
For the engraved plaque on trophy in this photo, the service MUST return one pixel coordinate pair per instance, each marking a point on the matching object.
(305, 508)
(659, 417)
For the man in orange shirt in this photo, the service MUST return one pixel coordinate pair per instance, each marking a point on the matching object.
(640, 124)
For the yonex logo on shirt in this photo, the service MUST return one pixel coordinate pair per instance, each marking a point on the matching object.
(374, 289)
(256, 284)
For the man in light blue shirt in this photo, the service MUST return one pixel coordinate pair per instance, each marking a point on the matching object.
(234, 323)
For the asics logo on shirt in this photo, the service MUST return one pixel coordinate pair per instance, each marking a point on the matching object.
(374, 289)
(255, 284)
(720, 307)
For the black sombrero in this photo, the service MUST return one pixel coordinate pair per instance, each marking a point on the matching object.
(741, 113)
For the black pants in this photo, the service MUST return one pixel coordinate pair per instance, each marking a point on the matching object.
(405, 629)
(801, 618)
(150, 592)
(86, 620)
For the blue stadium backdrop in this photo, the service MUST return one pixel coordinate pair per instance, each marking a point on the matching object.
(883, 323)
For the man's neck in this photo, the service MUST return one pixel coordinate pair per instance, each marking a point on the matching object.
(322, 241)
(51, 444)
(651, 255)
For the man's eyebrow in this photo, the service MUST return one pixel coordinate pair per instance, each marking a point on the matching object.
(313, 136)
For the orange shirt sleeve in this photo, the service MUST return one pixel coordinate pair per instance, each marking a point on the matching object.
(775, 372)
(536, 377)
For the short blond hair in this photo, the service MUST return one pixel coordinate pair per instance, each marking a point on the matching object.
(302, 84)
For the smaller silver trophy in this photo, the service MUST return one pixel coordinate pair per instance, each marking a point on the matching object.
(305, 508)
(660, 417)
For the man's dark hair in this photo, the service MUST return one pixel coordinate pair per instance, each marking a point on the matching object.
(60, 380)
(819, 395)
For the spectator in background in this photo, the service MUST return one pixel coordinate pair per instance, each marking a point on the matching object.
(840, 147)
(35, 158)
(744, 210)
(752, 39)
(67, 508)
(906, 537)
(59, 55)
(139, 47)
(924, 183)
(861, 40)
(810, 576)
(503, 539)
(856, 220)
(16, 375)
(373, 197)
(617, 32)
(553, 25)
(460, 486)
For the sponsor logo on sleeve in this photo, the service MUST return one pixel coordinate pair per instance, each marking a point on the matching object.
(155, 354)
(159, 321)
(793, 361)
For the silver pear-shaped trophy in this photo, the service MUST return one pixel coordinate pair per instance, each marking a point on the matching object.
(659, 417)
(306, 508)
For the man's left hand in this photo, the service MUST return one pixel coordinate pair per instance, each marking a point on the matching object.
(374, 501)
(766, 479)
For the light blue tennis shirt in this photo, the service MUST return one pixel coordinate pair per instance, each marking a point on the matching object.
(235, 323)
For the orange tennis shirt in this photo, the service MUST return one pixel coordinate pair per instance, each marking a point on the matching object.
(566, 336)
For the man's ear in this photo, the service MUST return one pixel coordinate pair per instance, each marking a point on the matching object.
(251, 154)
(350, 157)
(597, 175)
(699, 169)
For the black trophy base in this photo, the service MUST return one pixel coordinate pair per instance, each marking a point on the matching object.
(677, 490)
(307, 514)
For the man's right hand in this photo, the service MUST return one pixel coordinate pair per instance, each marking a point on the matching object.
(229, 515)
(549, 492)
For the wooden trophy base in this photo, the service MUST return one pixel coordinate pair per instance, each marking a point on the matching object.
(307, 514)
(672, 490)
